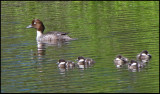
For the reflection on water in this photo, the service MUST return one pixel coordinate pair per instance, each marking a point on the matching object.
(104, 29)
(41, 52)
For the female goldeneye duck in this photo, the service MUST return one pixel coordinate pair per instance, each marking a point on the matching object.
(49, 36)
(120, 60)
(144, 56)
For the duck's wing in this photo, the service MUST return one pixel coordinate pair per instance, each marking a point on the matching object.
(56, 33)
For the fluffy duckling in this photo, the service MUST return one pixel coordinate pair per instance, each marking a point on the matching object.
(85, 62)
(70, 64)
(120, 61)
(61, 63)
(144, 56)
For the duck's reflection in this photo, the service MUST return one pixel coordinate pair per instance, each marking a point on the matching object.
(42, 46)
(39, 56)
(69, 65)
(41, 49)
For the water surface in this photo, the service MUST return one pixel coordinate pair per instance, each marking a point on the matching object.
(104, 29)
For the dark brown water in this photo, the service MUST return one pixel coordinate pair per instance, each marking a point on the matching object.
(104, 29)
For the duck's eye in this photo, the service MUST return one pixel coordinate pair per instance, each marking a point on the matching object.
(34, 22)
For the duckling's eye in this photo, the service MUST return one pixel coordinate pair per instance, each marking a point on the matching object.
(34, 22)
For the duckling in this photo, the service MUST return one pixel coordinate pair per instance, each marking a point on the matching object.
(144, 56)
(70, 64)
(61, 63)
(133, 65)
(120, 61)
(81, 62)
(87, 62)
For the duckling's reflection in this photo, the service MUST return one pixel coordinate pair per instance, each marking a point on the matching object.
(62, 70)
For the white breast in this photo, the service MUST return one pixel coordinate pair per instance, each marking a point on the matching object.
(39, 34)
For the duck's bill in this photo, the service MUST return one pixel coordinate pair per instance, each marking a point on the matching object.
(29, 26)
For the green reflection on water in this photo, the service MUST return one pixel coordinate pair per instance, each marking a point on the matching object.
(104, 29)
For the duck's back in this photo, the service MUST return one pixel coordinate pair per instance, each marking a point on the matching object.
(55, 35)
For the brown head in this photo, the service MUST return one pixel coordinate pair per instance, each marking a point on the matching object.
(36, 23)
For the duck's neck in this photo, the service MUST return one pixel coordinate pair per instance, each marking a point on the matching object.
(39, 34)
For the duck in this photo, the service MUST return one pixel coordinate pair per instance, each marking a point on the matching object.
(70, 64)
(136, 64)
(85, 62)
(119, 61)
(81, 62)
(133, 65)
(61, 63)
(89, 61)
(144, 56)
(49, 36)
